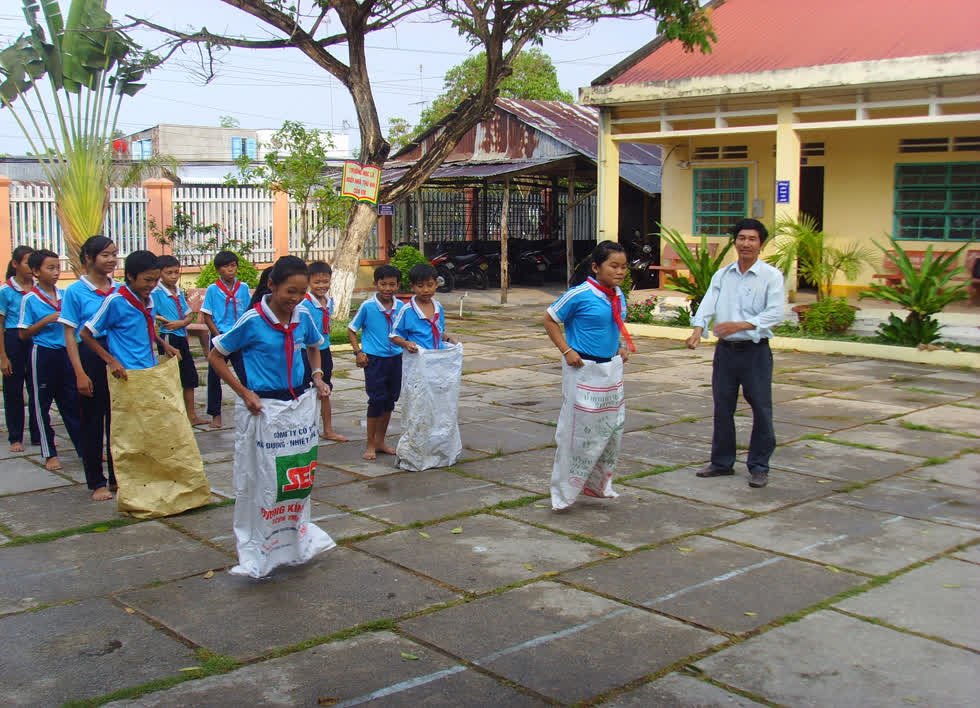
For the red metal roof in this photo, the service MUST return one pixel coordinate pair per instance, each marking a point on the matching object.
(765, 35)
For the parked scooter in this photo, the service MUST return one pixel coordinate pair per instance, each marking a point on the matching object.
(544, 263)
(455, 270)
(640, 264)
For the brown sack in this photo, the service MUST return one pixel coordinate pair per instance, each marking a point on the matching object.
(155, 456)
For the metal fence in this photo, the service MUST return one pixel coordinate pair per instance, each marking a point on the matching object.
(240, 214)
(326, 242)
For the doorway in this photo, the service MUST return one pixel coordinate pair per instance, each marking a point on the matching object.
(811, 202)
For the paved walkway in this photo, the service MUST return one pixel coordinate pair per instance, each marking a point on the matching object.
(852, 579)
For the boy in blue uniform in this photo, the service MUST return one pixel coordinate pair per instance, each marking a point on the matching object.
(320, 305)
(421, 323)
(225, 301)
(14, 352)
(173, 315)
(50, 373)
(126, 320)
(378, 356)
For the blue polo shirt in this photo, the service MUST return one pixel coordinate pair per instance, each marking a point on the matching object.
(165, 306)
(588, 318)
(82, 300)
(11, 295)
(411, 325)
(124, 328)
(224, 311)
(263, 347)
(321, 315)
(32, 310)
(376, 325)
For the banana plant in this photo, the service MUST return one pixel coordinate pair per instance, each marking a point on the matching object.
(700, 264)
(90, 65)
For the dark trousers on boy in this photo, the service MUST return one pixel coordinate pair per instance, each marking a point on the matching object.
(382, 383)
(53, 380)
(188, 372)
(95, 417)
(214, 381)
(18, 352)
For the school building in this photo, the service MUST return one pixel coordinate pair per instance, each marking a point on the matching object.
(864, 114)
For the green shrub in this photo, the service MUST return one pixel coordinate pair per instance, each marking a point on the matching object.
(826, 316)
(404, 260)
(627, 286)
(641, 312)
(247, 272)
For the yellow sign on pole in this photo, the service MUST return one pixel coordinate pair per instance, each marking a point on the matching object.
(361, 182)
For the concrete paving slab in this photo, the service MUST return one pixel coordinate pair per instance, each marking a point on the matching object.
(923, 443)
(417, 496)
(217, 445)
(490, 551)
(971, 554)
(895, 394)
(941, 383)
(83, 650)
(714, 583)
(675, 405)
(918, 499)
(533, 402)
(833, 414)
(338, 589)
(789, 360)
(93, 564)
(802, 664)
(636, 518)
(847, 537)
(701, 430)
(948, 417)
(938, 599)
(826, 379)
(348, 457)
(546, 637)
(19, 474)
(830, 460)
(644, 420)
(733, 492)
(497, 360)
(963, 471)
(515, 378)
(880, 367)
(506, 434)
(71, 466)
(527, 470)
(221, 477)
(53, 510)
(680, 691)
(658, 450)
(353, 678)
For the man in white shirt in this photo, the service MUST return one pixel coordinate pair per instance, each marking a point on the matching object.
(743, 303)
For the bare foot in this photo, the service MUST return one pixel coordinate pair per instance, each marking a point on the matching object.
(101, 494)
(52, 464)
(198, 420)
(17, 447)
(370, 454)
(386, 450)
(331, 435)
(113, 487)
(215, 421)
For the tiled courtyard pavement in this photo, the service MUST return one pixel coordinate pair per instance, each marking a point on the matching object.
(850, 580)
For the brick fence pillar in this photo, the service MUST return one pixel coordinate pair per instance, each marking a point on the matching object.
(280, 224)
(159, 212)
(6, 228)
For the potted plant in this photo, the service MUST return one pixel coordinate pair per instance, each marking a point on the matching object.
(405, 258)
(701, 266)
(801, 243)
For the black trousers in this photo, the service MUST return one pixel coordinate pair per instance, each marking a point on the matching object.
(95, 417)
(749, 366)
(214, 381)
(53, 380)
(18, 352)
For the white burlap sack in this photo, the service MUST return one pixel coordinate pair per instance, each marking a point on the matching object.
(590, 430)
(429, 397)
(275, 464)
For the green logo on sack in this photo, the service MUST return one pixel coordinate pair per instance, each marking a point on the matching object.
(294, 475)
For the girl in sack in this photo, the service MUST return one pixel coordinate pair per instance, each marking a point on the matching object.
(276, 432)
(593, 413)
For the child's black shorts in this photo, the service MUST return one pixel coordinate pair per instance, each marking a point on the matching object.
(326, 363)
(188, 372)
(383, 383)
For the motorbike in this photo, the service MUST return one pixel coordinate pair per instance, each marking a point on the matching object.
(640, 266)
(458, 269)
(543, 263)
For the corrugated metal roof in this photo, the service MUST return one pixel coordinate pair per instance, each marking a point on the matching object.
(766, 35)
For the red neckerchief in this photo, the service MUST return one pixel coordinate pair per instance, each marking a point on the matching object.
(176, 299)
(16, 286)
(617, 308)
(229, 295)
(289, 345)
(433, 323)
(134, 301)
(103, 293)
(325, 312)
(44, 298)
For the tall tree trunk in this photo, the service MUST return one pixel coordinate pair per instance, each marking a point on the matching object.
(347, 255)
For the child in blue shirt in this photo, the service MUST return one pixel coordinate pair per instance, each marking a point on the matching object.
(320, 305)
(14, 352)
(378, 356)
(82, 299)
(225, 301)
(50, 371)
(126, 320)
(173, 315)
(421, 323)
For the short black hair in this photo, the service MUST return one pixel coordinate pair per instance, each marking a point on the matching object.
(422, 272)
(225, 258)
(387, 271)
(167, 261)
(751, 225)
(36, 258)
(138, 262)
(319, 268)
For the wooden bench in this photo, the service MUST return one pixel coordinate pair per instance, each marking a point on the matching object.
(671, 263)
(893, 276)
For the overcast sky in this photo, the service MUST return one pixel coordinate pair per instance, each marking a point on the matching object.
(262, 88)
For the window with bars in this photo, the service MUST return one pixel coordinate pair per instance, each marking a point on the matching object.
(938, 201)
(720, 199)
